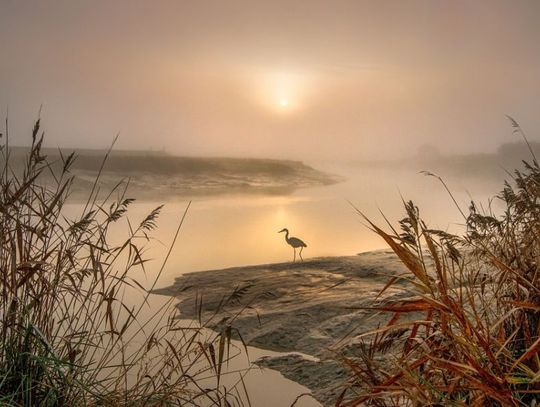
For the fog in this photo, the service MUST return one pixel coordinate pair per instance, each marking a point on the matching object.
(247, 117)
(304, 80)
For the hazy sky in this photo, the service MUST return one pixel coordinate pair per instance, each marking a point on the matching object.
(295, 79)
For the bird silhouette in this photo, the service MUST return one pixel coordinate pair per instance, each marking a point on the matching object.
(294, 242)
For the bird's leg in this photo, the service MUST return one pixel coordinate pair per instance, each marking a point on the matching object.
(301, 253)
(294, 258)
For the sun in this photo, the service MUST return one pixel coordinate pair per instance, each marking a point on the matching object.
(281, 92)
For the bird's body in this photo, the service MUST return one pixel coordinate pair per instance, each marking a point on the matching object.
(294, 242)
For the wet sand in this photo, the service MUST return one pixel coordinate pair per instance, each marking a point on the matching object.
(313, 308)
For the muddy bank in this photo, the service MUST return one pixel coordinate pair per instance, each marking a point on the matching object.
(314, 307)
(152, 173)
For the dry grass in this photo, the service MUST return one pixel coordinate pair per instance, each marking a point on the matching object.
(477, 340)
(68, 334)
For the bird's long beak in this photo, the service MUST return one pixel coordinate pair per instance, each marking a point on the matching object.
(282, 230)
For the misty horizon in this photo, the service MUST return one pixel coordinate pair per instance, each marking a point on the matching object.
(516, 149)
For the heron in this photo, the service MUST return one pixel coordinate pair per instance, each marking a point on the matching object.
(294, 242)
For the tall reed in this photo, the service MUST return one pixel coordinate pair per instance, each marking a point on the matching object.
(469, 335)
(69, 335)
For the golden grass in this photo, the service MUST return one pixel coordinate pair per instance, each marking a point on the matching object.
(68, 334)
(477, 340)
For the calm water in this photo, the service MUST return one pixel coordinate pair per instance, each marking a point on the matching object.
(240, 230)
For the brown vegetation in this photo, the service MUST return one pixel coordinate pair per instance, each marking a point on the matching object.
(477, 341)
(68, 334)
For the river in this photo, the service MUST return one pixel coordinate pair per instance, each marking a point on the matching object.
(241, 229)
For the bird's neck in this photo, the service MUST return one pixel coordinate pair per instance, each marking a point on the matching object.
(287, 235)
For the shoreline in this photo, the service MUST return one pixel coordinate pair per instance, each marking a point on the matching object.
(151, 173)
(306, 310)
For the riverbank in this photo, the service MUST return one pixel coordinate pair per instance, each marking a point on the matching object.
(313, 307)
(154, 173)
